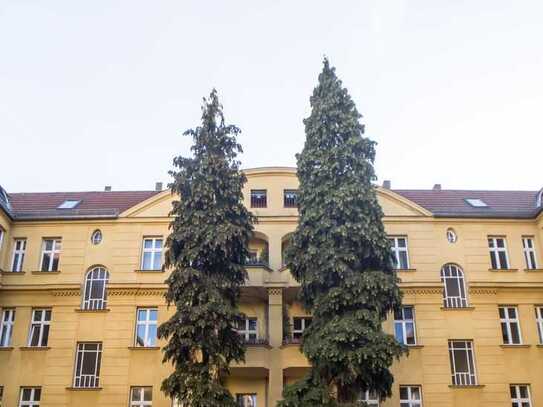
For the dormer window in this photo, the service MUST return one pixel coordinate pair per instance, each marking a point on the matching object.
(476, 202)
(68, 204)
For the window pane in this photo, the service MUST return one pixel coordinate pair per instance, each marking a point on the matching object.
(415, 393)
(140, 335)
(152, 335)
(147, 394)
(398, 333)
(461, 360)
(408, 312)
(515, 333)
(403, 260)
(452, 287)
(148, 243)
(503, 260)
(410, 333)
(56, 257)
(147, 261)
(45, 262)
(157, 262)
(89, 363)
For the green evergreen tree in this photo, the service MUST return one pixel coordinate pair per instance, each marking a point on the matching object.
(206, 251)
(341, 256)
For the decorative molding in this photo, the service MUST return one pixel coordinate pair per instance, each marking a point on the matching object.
(423, 290)
(125, 291)
(483, 291)
(275, 291)
(66, 292)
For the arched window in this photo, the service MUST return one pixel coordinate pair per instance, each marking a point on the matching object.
(95, 296)
(454, 288)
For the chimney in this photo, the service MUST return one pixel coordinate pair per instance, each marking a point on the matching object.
(107, 188)
(158, 186)
(437, 187)
(387, 184)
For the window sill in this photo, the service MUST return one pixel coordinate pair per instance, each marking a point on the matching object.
(414, 346)
(144, 347)
(34, 348)
(405, 270)
(469, 308)
(514, 346)
(466, 386)
(11, 273)
(45, 272)
(533, 270)
(5, 348)
(149, 271)
(91, 311)
(503, 270)
(83, 388)
(540, 345)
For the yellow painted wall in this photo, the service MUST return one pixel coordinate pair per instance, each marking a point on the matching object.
(267, 366)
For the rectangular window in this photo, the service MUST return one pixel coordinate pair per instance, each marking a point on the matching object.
(539, 319)
(151, 258)
(141, 396)
(498, 253)
(370, 398)
(146, 327)
(510, 325)
(30, 397)
(39, 328)
(520, 395)
(87, 365)
(246, 400)
(299, 325)
(404, 325)
(1, 395)
(259, 198)
(462, 363)
(410, 396)
(290, 198)
(248, 330)
(401, 255)
(6, 327)
(50, 254)
(19, 248)
(528, 246)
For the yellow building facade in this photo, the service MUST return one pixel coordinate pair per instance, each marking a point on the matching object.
(81, 296)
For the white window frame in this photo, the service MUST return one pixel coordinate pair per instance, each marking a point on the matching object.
(451, 271)
(246, 332)
(246, 403)
(468, 378)
(18, 256)
(410, 401)
(2, 233)
(153, 251)
(39, 324)
(397, 249)
(56, 242)
(6, 326)
(304, 325)
(509, 321)
(370, 398)
(530, 254)
(87, 381)
(147, 322)
(495, 252)
(539, 321)
(140, 402)
(94, 276)
(404, 323)
(96, 237)
(32, 402)
(517, 400)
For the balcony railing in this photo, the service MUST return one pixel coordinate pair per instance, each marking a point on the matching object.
(256, 341)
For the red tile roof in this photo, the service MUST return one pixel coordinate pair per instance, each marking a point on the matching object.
(453, 202)
(92, 203)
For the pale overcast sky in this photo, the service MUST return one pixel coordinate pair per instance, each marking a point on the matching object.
(96, 93)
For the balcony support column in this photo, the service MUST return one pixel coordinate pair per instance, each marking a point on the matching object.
(275, 329)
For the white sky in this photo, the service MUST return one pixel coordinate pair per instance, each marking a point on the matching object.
(96, 93)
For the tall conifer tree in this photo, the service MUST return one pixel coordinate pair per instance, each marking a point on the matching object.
(206, 251)
(341, 256)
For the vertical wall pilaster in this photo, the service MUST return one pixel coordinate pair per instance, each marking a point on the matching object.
(275, 329)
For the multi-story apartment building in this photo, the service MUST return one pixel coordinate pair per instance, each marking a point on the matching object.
(81, 295)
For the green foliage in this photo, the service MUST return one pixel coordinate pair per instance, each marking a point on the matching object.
(206, 251)
(341, 256)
